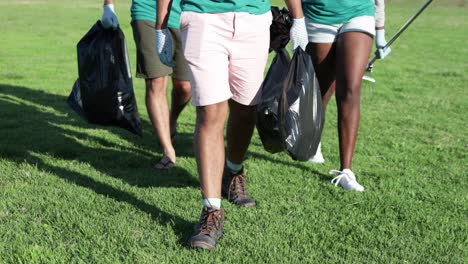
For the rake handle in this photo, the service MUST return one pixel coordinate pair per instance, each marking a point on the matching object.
(403, 28)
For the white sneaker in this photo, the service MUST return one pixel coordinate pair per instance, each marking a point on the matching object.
(318, 157)
(347, 180)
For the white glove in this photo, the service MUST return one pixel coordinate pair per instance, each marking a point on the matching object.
(164, 46)
(109, 18)
(298, 34)
(380, 43)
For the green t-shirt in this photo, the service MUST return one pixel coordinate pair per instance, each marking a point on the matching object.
(336, 11)
(146, 10)
(256, 7)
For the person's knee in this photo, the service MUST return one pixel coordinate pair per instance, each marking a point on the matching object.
(243, 113)
(212, 115)
(351, 92)
(182, 87)
(156, 85)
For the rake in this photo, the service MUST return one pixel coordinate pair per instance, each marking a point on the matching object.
(370, 65)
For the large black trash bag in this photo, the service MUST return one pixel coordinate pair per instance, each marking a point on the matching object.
(267, 110)
(74, 100)
(279, 29)
(301, 109)
(103, 93)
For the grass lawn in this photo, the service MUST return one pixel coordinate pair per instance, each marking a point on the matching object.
(71, 192)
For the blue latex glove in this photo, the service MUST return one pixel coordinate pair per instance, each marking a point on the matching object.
(164, 46)
(109, 18)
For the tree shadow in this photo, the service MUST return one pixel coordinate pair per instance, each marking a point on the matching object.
(42, 122)
(34, 121)
(182, 228)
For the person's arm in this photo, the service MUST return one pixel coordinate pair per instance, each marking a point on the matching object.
(295, 8)
(163, 36)
(163, 9)
(109, 18)
(298, 32)
(379, 14)
(380, 41)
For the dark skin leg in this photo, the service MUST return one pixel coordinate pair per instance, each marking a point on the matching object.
(352, 53)
(240, 128)
(209, 147)
(340, 66)
(323, 58)
(181, 94)
(209, 141)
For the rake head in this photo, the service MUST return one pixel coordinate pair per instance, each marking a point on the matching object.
(368, 74)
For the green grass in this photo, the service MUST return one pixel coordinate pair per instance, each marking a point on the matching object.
(71, 192)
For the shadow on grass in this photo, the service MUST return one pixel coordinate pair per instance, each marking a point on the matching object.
(34, 120)
(182, 228)
(40, 122)
(296, 164)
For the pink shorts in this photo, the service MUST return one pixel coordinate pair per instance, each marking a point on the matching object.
(226, 54)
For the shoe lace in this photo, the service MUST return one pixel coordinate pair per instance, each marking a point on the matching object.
(339, 177)
(209, 220)
(238, 182)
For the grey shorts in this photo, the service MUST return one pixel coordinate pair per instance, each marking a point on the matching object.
(148, 64)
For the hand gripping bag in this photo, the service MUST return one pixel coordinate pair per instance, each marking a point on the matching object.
(279, 28)
(103, 93)
(301, 109)
(268, 122)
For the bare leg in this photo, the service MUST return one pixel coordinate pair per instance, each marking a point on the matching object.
(323, 58)
(158, 111)
(352, 52)
(209, 147)
(239, 130)
(181, 94)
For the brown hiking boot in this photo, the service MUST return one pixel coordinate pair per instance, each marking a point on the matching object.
(235, 189)
(209, 229)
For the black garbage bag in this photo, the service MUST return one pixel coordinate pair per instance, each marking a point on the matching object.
(279, 28)
(301, 109)
(268, 121)
(74, 100)
(103, 93)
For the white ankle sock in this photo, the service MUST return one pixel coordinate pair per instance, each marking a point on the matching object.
(212, 202)
(234, 167)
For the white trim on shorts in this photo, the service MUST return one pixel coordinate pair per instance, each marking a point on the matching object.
(322, 33)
